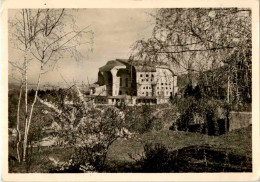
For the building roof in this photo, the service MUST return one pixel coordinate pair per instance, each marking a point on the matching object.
(110, 65)
(139, 65)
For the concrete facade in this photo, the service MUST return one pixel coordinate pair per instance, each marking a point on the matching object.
(134, 83)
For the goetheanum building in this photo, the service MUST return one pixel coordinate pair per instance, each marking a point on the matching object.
(134, 82)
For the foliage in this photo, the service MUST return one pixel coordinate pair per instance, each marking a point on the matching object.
(204, 112)
(142, 119)
(197, 40)
(156, 158)
(90, 130)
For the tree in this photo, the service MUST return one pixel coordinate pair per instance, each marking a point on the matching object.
(88, 129)
(201, 39)
(45, 36)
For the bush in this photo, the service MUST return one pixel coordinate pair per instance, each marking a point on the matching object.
(156, 158)
(88, 129)
(200, 115)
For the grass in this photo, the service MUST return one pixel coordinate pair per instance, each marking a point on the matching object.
(238, 142)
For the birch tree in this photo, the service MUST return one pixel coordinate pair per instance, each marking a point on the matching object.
(46, 36)
(201, 39)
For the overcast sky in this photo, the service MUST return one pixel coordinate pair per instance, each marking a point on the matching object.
(115, 31)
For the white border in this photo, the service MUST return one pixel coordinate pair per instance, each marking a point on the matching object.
(14, 4)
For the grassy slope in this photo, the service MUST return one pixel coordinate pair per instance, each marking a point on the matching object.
(238, 142)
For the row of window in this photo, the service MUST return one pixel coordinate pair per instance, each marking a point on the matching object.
(146, 80)
(163, 83)
(146, 75)
(148, 87)
(158, 93)
(165, 88)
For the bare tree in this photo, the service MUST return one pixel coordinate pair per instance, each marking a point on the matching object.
(46, 36)
(196, 40)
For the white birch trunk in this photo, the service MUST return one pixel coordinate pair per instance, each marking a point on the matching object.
(18, 125)
(26, 104)
(30, 115)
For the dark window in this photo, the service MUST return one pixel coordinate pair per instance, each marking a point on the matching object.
(151, 80)
(120, 92)
(152, 75)
(147, 75)
(146, 93)
(161, 83)
(141, 75)
(120, 82)
(147, 80)
(126, 93)
(126, 82)
(166, 88)
(146, 87)
(165, 83)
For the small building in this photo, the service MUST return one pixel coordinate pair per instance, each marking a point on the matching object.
(134, 82)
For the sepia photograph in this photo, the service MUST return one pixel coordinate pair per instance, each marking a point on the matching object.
(130, 90)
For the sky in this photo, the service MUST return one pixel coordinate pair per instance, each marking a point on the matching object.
(115, 31)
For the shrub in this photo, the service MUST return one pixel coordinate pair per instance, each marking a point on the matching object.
(88, 129)
(156, 158)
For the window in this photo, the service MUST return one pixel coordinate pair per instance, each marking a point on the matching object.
(147, 93)
(147, 80)
(147, 87)
(126, 82)
(158, 93)
(151, 80)
(152, 75)
(126, 93)
(166, 88)
(158, 88)
(170, 88)
(143, 93)
(147, 75)
(120, 82)
(120, 92)
(142, 80)
(144, 88)
(141, 75)
(112, 100)
(165, 83)
(161, 83)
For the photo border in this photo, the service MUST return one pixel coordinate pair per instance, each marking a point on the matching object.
(233, 176)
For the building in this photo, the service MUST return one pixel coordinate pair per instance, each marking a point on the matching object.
(134, 82)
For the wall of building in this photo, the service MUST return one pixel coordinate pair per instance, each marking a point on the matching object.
(125, 84)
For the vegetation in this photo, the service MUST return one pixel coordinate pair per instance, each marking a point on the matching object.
(89, 138)
(43, 37)
(124, 154)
